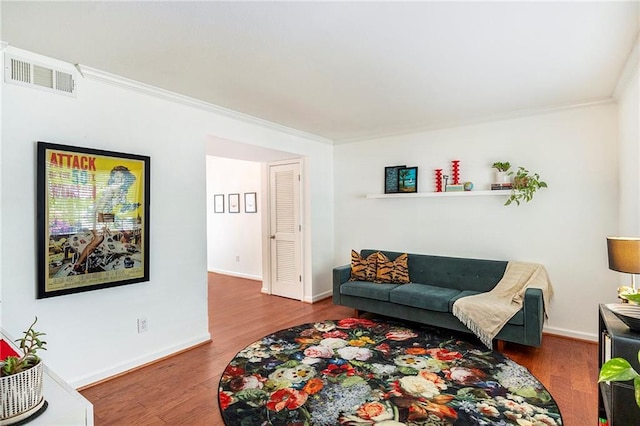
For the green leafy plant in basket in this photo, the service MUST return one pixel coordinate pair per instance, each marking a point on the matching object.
(620, 370)
(29, 344)
(525, 184)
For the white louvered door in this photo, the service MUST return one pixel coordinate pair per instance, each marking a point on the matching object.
(285, 231)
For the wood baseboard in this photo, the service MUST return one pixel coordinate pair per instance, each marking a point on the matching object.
(575, 339)
(147, 364)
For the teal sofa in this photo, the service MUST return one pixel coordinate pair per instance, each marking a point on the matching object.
(436, 283)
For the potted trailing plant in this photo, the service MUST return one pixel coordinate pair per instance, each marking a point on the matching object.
(21, 378)
(525, 184)
(501, 171)
(620, 370)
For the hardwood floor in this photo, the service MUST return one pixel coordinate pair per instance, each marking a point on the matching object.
(182, 390)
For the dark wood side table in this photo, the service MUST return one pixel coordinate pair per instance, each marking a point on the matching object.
(616, 400)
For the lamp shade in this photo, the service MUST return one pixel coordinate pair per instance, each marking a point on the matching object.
(624, 254)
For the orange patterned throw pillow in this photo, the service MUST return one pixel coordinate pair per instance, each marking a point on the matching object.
(392, 271)
(363, 269)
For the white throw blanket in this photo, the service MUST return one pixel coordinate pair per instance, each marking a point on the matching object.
(485, 314)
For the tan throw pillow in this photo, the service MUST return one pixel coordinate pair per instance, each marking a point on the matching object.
(363, 269)
(392, 271)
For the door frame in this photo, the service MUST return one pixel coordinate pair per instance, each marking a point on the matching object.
(266, 223)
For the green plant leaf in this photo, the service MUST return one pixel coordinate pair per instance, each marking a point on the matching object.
(634, 297)
(617, 370)
(636, 388)
(501, 166)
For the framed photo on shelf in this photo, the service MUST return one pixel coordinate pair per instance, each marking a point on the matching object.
(408, 179)
(250, 202)
(391, 179)
(92, 219)
(218, 203)
(234, 203)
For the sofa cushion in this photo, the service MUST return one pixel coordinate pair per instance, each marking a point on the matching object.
(367, 290)
(392, 271)
(423, 296)
(363, 268)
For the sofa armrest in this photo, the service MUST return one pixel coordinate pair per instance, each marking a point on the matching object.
(341, 274)
(534, 316)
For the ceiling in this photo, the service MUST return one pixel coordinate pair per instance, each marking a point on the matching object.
(346, 70)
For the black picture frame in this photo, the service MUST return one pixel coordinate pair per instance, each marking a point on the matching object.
(391, 179)
(234, 203)
(92, 219)
(250, 205)
(408, 180)
(218, 203)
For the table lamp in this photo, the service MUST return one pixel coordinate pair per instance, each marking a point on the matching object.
(624, 256)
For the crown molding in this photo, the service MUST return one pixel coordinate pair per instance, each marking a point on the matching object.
(527, 112)
(630, 69)
(123, 82)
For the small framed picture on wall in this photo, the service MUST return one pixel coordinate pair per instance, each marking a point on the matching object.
(234, 203)
(218, 203)
(250, 202)
(408, 179)
(391, 179)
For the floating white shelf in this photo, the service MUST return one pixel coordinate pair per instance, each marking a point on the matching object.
(441, 194)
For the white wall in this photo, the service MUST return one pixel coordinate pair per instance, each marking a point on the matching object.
(234, 239)
(564, 227)
(93, 335)
(2, 47)
(629, 157)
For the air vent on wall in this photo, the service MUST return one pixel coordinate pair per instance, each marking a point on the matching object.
(25, 73)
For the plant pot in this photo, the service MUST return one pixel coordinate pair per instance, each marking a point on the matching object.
(502, 177)
(21, 394)
(520, 182)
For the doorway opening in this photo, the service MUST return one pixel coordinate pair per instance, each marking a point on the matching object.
(245, 239)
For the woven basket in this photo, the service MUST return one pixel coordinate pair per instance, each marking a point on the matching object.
(21, 392)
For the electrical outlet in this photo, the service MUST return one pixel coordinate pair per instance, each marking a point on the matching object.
(143, 325)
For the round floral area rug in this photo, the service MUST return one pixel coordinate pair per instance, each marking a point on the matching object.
(366, 372)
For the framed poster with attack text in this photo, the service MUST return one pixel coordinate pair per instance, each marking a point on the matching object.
(93, 219)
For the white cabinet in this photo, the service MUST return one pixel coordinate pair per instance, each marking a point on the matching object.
(66, 406)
